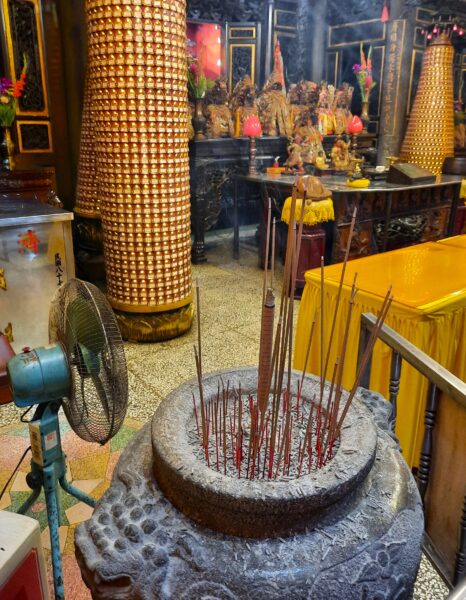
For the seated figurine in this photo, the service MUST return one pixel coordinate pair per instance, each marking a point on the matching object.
(325, 118)
(321, 161)
(295, 161)
(217, 112)
(243, 103)
(311, 144)
(340, 156)
(342, 108)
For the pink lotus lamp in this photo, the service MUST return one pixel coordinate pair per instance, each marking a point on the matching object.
(253, 129)
(355, 127)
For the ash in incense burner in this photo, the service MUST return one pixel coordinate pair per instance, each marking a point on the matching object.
(237, 498)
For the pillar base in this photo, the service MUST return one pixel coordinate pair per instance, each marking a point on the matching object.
(155, 327)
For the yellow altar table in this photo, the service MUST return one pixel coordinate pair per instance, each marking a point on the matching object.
(458, 240)
(429, 309)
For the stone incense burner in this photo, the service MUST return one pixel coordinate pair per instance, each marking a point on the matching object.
(171, 527)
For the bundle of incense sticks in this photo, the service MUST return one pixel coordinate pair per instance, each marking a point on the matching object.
(276, 433)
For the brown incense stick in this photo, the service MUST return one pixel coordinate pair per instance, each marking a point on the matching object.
(322, 313)
(272, 264)
(336, 407)
(373, 338)
(329, 403)
(308, 349)
(201, 399)
(198, 300)
(267, 242)
(340, 287)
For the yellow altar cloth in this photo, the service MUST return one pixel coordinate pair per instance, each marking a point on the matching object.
(314, 212)
(429, 310)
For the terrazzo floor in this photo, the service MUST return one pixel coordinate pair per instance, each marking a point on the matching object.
(230, 319)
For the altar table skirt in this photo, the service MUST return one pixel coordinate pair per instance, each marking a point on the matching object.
(429, 310)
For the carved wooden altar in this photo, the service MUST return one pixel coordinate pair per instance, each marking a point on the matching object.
(389, 216)
(213, 166)
(28, 183)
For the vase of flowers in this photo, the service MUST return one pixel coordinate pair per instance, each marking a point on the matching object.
(366, 83)
(198, 85)
(9, 94)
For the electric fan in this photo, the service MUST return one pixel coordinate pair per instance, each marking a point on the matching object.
(84, 371)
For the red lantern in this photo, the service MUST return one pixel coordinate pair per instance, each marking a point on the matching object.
(252, 126)
(355, 126)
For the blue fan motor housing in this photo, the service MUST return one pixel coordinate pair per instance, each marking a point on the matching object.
(38, 376)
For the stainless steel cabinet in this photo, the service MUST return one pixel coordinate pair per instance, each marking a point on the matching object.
(36, 257)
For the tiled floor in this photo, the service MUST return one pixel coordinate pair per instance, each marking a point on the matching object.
(230, 308)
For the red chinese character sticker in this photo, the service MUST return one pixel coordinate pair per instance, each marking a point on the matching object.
(28, 241)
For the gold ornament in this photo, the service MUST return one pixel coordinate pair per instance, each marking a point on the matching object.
(429, 137)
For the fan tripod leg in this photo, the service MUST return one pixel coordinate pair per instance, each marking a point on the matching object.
(73, 491)
(22, 510)
(53, 514)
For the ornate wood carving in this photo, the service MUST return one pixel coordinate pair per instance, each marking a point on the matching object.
(242, 63)
(354, 10)
(225, 10)
(34, 137)
(26, 39)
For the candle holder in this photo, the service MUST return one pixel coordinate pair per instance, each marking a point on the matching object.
(252, 128)
(355, 127)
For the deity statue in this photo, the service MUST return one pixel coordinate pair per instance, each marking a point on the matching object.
(295, 161)
(321, 161)
(273, 109)
(302, 98)
(217, 112)
(460, 136)
(342, 108)
(340, 156)
(325, 109)
(243, 103)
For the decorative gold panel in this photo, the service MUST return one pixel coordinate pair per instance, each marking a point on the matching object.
(379, 32)
(424, 15)
(242, 33)
(252, 63)
(416, 63)
(13, 37)
(280, 19)
(429, 136)
(19, 131)
(419, 38)
(332, 67)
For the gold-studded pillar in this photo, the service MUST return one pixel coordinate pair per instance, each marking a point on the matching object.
(137, 85)
(430, 135)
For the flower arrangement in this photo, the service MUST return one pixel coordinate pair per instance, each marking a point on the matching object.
(9, 94)
(363, 74)
(198, 83)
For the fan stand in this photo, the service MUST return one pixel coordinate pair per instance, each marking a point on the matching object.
(48, 471)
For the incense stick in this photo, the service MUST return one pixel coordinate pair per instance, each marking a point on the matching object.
(340, 287)
(267, 242)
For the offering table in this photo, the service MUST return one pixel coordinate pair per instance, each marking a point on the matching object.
(389, 216)
(429, 310)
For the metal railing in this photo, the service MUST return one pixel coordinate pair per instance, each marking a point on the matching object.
(440, 380)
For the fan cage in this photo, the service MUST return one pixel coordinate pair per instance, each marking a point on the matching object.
(82, 321)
